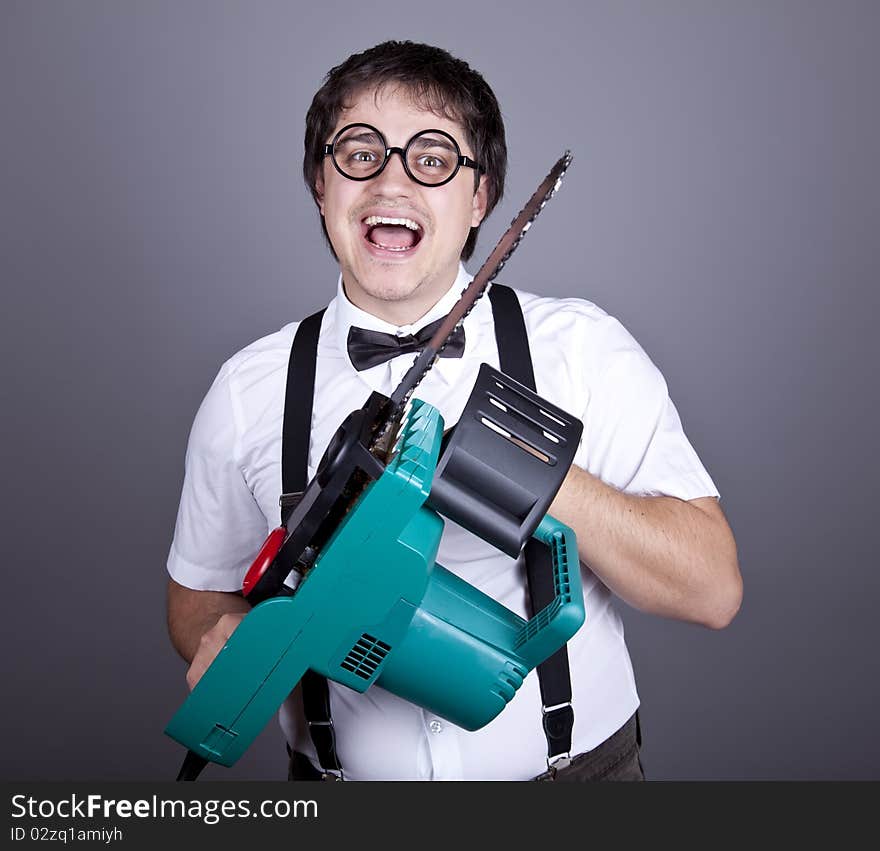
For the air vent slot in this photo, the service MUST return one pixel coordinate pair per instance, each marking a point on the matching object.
(365, 657)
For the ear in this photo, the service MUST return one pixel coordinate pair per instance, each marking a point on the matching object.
(480, 200)
(319, 190)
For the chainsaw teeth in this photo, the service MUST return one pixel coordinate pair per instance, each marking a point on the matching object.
(404, 421)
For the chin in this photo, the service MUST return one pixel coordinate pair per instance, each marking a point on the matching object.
(388, 289)
(389, 282)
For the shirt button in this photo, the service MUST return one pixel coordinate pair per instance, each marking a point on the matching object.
(435, 726)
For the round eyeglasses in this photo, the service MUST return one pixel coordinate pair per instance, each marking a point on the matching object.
(430, 158)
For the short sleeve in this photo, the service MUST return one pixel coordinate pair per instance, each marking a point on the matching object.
(633, 436)
(220, 526)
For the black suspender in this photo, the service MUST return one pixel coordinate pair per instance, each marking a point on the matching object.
(295, 436)
(298, 403)
(554, 676)
(515, 360)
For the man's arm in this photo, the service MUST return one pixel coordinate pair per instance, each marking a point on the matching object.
(200, 622)
(660, 554)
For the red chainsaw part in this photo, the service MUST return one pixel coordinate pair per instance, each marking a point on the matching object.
(264, 558)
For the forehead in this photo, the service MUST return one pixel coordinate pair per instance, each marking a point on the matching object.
(398, 113)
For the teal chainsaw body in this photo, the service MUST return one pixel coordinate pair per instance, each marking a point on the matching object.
(376, 608)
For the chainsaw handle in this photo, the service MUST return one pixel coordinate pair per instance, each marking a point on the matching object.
(559, 620)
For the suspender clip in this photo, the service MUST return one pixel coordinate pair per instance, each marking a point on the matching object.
(290, 500)
(558, 721)
(546, 709)
(332, 775)
(555, 763)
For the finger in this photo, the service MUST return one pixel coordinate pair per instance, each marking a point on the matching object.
(195, 672)
(227, 624)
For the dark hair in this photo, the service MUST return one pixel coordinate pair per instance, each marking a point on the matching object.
(436, 80)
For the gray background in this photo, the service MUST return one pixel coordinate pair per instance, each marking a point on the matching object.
(723, 204)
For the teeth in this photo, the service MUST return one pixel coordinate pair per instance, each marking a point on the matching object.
(388, 220)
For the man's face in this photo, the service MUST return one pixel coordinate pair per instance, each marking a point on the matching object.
(395, 272)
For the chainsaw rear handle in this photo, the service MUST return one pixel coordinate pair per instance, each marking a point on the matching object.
(550, 628)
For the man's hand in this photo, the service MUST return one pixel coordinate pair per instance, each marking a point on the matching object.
(200, 623)
(210, 644)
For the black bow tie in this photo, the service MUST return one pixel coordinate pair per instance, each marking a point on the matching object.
(369, 348)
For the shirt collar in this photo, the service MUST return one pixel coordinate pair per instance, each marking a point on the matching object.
(346, 315)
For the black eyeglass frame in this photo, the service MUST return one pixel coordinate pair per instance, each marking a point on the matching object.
(462, 160)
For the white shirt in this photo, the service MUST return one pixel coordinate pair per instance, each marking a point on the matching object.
(586, 363)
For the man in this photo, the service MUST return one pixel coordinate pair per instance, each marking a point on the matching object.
(645, 512)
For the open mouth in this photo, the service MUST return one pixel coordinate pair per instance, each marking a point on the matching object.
(392, 233)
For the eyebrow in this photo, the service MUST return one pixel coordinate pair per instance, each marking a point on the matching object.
(434, 142)
(365, 137)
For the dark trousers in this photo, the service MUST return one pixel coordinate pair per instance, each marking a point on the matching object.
(617, 758)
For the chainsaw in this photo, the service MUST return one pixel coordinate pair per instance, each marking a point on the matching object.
(349, 586)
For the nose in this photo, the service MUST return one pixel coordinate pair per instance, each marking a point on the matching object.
(393, 178)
